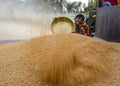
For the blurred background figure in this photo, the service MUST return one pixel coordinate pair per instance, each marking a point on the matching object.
(64, 10)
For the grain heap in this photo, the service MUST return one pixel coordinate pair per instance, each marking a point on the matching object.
(57, 60)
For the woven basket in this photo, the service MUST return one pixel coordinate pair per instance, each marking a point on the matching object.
(62, 25)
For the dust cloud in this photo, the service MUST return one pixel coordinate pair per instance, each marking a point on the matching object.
(24, 19)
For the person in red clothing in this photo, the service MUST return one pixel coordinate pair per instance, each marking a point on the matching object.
(80, 27)
(108, 3)
(112, 2)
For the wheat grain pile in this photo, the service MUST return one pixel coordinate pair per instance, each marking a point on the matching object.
(60, 60)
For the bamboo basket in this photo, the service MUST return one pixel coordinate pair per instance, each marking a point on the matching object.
(62, 25)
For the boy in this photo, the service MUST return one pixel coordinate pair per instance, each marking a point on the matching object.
(80, 27)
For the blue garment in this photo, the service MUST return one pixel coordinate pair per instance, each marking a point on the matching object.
(107, 4)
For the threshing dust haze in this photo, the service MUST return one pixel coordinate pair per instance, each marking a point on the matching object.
(23, 19)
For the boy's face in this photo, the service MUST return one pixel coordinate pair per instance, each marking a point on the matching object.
(78, 21)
